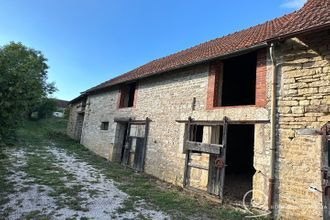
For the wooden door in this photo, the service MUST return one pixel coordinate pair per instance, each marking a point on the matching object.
(217, 159)
(138, 156)
(214, 176)
(135, 144)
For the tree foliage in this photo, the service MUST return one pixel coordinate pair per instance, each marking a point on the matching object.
(46, 108)
(23, 85)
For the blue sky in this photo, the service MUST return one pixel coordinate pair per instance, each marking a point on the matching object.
(89, 41)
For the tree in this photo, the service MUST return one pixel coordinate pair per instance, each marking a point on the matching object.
(46, 108)
(23, 85)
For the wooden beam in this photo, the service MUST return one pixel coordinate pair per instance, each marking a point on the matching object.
(130, 120)
(204, 148)
(198, 166)
(215, 122)
(122, 119)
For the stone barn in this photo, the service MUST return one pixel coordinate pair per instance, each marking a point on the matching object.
(248, 111)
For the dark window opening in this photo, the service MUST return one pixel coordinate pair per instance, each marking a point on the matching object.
(239, 161)
(105, 125)
(238, 86)
(197, 133)
(127, 95)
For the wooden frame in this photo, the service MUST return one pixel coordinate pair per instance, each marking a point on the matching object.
(204, 148)
(216, 152)
(140, 151)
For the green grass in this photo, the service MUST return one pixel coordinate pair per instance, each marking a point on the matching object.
(173, 201)
(6, 187)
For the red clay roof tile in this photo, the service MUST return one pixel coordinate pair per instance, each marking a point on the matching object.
(314, 14)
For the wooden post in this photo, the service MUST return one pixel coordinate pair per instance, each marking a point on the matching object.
(146, 133)
(223, 157)
(186, 167)
(127, 144)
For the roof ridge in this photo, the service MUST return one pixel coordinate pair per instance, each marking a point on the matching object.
(290, 23)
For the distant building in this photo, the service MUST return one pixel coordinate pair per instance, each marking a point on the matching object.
(61, 106)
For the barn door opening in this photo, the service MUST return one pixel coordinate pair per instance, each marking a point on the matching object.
(135, 143)
(120, 138)
(214, 149)
(79, 126)
(239, 161)
(230, 150)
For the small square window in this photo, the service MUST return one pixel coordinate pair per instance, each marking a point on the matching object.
(105, 125)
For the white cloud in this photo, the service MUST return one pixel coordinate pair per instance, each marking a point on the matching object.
(295, 4)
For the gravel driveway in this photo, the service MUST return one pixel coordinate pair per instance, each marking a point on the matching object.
(69, 189)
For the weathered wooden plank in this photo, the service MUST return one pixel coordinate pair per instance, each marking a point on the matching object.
(138, 155)
(122, 119)
(222, 171)
(130, 120)
(204, 148)
(213, 123)
(127, 145)
(198, 166)
(146, 134)
(213, 177)
(187, 159)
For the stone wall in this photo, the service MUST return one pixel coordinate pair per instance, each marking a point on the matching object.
(303, 103)
(76, 118)
(100, 108)
(164, 99)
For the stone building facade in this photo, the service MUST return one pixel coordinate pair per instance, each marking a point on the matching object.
(303, 103)
(301, 64)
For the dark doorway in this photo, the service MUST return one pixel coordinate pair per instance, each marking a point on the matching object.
(79, 126)
(131, 142)
(239, 161)
(119, 146)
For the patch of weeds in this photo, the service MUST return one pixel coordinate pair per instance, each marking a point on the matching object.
(6, 187)
(24, 189)
(41, 189)
(36, 215)
(5, 213)
(140, 216)
(93, 192)
(127, 206)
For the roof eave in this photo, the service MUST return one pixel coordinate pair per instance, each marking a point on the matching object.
(300, 32)
(210, 59)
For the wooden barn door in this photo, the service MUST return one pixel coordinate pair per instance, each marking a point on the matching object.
(217, 167)
(135, 144)
(217, 159)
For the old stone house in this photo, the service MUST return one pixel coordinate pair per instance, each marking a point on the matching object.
(246, 111)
